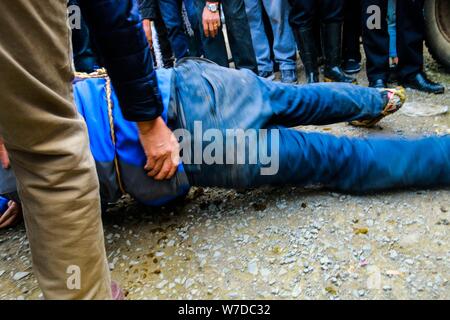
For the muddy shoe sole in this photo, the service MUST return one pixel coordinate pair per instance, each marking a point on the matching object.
(396, 99)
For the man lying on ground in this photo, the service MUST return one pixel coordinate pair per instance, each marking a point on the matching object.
(234, 132)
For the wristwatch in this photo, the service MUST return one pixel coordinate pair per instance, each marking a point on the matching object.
(213, 7)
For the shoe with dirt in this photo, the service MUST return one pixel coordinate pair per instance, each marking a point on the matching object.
(395, 98)
(289, 76)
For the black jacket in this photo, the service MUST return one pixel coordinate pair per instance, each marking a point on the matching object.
(120, 38)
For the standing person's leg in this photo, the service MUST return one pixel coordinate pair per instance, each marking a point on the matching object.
(376, 41)
(164, 43)
(284, 42)
(49, 150)
(195, 39)
(351, 52)
(259, 37)
(410, 37)
(239, 35)
(302, 21)
(214, 49)
(179, 40)
(332, 20)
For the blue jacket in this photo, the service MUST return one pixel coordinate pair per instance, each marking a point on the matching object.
(120, 163)
(117, 31)
(149, 9)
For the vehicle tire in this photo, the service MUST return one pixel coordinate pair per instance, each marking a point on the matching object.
(437, 30)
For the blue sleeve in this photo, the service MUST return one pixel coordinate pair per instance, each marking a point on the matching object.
(117, 30)
(148, 9)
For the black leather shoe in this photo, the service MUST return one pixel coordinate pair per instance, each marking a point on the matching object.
(378, 84)
(422, 83)
(335, 74)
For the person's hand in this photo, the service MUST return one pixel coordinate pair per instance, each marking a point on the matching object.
(211, 23)
(161, 148)
(4, 158)
(148, 31)
(11, 216)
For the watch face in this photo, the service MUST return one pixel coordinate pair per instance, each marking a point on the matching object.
(213, 7)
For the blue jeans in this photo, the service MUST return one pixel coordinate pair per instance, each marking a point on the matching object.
(284, 45)
(340, 163)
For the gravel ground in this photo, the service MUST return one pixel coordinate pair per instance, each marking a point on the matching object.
(276, 243)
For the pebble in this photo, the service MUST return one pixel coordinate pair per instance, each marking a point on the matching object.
(162, 284)
(409, 261)
(189, 283)
(393, 254)
(171, 243)
(233, 295)
(296, 292)
(265, 272)
(20, 275)
(253, 268)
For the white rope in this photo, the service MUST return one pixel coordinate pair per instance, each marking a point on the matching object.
(187, 23)
(157, 48)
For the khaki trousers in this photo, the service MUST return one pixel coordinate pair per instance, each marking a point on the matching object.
(49, 150)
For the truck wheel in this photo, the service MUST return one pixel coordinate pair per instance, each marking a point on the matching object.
(437, 29)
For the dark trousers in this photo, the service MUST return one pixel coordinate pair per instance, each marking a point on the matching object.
(171, 11)
(352, 30)
(239, 37)
(84, 57)
(410, 36)
(305, 12)
(164, 42)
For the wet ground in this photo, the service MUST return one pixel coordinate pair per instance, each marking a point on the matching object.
(277, 243)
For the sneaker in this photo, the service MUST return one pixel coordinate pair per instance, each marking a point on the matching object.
(289, 76)
(395, 98)
(269, 75)
(351, 66)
